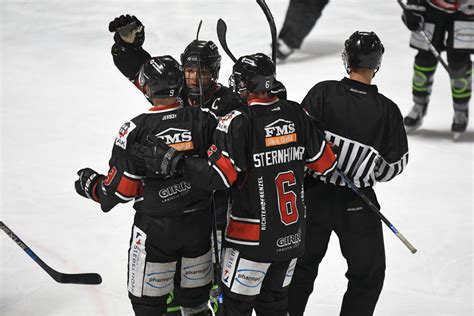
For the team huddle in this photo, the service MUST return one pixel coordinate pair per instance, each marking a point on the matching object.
(244, 168)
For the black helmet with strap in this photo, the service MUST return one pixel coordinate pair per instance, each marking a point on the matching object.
(161, 77)
(253, 73)
(363, 50)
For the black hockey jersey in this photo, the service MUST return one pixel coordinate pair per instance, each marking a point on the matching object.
(222, 100)
(366, 127)
(260, 152)
(188, 130)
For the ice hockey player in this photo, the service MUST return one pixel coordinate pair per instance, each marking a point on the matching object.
(367, 128)
(170, 243)
(201, 61)
(438, 18)
(300, 19)
(259, 152)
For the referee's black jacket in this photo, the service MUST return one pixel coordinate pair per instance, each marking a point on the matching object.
(366, 126)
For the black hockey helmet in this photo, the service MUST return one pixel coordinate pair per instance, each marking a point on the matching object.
(362, 50)
(202, 54)
(251, 73)
(161, 77)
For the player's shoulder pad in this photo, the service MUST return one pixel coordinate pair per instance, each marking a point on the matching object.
(226, 120)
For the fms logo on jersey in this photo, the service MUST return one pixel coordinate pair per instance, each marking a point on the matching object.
(279, 132)
(179, 139)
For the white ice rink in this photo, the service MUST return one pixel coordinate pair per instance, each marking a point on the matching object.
(63, 101)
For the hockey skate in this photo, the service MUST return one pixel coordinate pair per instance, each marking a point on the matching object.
(414, 119)
(459, 125)
(283, 51)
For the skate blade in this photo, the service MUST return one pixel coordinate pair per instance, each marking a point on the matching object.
(457, 135)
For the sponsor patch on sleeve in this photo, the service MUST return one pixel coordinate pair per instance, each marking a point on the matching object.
(225, 121)
(125, 130)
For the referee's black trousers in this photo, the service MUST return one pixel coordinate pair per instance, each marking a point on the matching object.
(339, 209)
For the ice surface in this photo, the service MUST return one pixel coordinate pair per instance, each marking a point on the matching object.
(63, 101)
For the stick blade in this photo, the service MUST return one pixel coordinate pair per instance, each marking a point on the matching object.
(221, 35)
(79, 278)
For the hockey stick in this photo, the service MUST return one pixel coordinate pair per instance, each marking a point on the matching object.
(271, 22)
(221, 35)
(77, 278)
(374, 208)
(217, 277)
(431, 47)
(199, 66)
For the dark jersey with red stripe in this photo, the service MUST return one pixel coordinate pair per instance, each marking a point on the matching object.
(260, 152)
(188, 130)
(452, 6)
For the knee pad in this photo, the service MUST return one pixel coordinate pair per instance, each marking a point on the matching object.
(145, 278)
(422, 83)
(461, 79)
(196, 272)
(242, 276)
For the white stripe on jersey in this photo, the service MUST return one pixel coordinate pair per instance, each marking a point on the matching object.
(319, 154)
(224, 179)
(242, 219)
(132, 176)
(123, 197)
(248, 243)
(361, 163)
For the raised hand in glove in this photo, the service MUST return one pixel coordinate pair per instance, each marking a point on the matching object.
(413, 15)
(159, 158)
(87, 183)
(128, 29)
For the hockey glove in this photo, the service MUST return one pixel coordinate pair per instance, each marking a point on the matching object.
(87, 183)
(413, 15)
(159, 158)
(128, 29)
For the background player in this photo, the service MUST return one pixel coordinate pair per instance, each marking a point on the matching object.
(439, 18)
(300, 19)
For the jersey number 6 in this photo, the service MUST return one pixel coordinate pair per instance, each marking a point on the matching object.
(287, 198)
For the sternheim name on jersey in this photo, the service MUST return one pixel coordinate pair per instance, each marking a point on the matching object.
(278, 156)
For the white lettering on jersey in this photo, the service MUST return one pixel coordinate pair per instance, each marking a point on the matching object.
(225, 121)
(169, 117)
(263, 204)
(125, 130)
(278, 156)
(179, 139)
(279, 132)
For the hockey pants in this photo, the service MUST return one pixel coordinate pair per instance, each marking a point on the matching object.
(169, 254)
(331, 208)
